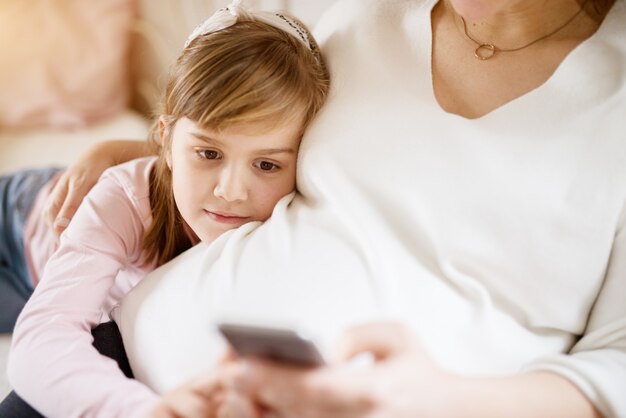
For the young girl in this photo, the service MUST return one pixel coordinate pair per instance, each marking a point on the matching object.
(235, 107)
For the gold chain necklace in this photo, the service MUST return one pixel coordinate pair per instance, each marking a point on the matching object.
(484, 51)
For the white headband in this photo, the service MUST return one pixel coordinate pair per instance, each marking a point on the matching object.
(229, 15)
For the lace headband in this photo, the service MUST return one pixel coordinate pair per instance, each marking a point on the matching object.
(228, 16)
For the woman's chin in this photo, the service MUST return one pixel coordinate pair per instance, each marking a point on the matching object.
(475, 10)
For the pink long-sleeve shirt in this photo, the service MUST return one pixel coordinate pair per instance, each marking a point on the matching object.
(99, 258)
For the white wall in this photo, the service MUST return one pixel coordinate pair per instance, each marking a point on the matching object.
(309, 11)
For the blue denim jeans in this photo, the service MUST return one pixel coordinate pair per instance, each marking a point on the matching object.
(17, 195)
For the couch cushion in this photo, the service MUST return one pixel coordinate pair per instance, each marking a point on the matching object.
(64, 62)
(32, 148)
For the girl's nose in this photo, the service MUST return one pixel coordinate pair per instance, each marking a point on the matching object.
(231, 185)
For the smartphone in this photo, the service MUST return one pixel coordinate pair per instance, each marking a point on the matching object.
(276, 344)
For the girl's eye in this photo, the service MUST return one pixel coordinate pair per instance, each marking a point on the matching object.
(208, 154)
(266, 166)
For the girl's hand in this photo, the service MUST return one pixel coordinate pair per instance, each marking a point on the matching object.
(402, 382)
(82, 175)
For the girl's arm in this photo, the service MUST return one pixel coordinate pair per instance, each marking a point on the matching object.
(405, 382)
(81, 176)
(53, 365)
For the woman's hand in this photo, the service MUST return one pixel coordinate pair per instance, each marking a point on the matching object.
(402, 382)
(80, 177)
(200, 397)
(209, 395)
(206, 396)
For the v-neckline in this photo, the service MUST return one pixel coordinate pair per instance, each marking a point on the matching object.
(563, 65)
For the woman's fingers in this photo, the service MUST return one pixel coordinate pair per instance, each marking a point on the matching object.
(189, 405)
(268, 382)
(388, 387)
(54, 202)
(236, 406)
(304, 393)
(68, 193)
(76, 192)
(200, 397)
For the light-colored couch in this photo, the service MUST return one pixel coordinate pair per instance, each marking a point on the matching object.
(158, 30)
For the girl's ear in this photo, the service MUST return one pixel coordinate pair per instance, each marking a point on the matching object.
(165, 146)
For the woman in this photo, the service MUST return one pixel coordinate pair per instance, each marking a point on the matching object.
(467, 178)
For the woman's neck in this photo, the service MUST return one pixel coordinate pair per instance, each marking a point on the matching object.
(519, 23)
(466, 85)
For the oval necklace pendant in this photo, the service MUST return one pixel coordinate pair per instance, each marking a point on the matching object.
(485, 51)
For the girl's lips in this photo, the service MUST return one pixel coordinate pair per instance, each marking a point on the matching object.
(225, 218)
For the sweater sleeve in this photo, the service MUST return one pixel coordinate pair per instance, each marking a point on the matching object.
(52, 363)
(597, 362)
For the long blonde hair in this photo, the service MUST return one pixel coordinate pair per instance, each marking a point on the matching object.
(250, 73)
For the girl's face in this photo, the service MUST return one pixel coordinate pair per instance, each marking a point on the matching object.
(224, 179)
